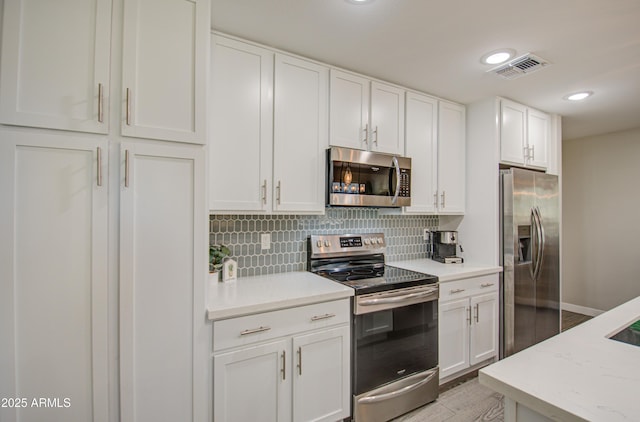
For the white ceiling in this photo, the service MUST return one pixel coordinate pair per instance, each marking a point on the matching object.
(435, 47)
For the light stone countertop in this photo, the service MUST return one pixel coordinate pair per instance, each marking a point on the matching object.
(577, 375)
(251, 295)
(446, 272)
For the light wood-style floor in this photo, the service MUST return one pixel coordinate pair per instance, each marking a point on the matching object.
(468, 400)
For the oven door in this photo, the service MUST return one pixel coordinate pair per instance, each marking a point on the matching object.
(395, 336)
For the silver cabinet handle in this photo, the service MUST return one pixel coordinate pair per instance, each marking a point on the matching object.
(442, 197)
(299, 360)
(99, 160)
(128, 108)
(486, 284)
(100, 106)
(375, 141)
(254, 330)
(278, 189)
(366, 134)
(284, 365)
(126, 168)
(533, 153)
(525, 152)
(401, 391)
(435, 200)
(321, 317)
(477, 313)
(469, 315)
(264, 191)
(453, 292)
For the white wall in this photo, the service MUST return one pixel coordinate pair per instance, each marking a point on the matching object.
(601, 220)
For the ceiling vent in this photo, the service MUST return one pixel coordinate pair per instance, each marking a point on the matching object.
(520, 66)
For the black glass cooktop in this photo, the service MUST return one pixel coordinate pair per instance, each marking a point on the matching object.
(378, 278)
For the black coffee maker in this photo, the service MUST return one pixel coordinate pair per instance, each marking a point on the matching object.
(443, 246)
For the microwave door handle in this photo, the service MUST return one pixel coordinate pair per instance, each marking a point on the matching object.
(394, 162)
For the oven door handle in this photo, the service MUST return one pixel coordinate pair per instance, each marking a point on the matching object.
(404, 390)
(396, 165)
(395, 299)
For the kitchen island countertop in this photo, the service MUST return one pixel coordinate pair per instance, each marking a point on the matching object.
(446, 272)
(250, 295)
(578, 375)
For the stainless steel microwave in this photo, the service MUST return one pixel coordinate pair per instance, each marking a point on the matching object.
(367, 179)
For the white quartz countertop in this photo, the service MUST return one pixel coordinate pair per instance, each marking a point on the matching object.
(446, 272)
(250, 295)
(577, 375)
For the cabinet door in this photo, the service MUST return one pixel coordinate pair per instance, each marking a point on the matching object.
(453, 336)
(55, 64)
(164, 342)
(321, 375)
(240, 145)
(164, 75)
(512, 132)
(451, 158)
(349, 110)
(253, 384)
(300, 135)
(538, 135)
(53, 276)
(484, 332)
(387, 118)
(421, 145)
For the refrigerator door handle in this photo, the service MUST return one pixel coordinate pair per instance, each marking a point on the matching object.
(541, 242)
(533, 246)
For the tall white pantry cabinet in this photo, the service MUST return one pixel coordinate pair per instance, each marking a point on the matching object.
(103, 222)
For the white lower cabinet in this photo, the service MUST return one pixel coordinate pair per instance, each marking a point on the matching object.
(287, 365)
(53, 277)
(164, 338)
(468, 324)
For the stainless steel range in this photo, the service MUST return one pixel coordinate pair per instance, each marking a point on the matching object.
(395, 324)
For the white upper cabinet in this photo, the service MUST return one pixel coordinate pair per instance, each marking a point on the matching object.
(387, 119)
(421, 144)
(451, 158)
(524, 135)
(538, 136)
(349, 110)
(55, 65)
(241, 126)
(365, 114)
(267, 141)
(300, 134)
(164, 74)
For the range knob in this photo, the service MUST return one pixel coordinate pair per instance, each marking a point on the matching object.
(380, 241)
(367, 242)
(319, 243)
(327, 243)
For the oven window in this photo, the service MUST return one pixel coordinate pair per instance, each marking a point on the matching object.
(395, 343)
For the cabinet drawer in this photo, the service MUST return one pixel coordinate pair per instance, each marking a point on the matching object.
(468, 287)
(250, 329)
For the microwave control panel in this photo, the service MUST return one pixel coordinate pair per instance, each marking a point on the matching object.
(405, 183)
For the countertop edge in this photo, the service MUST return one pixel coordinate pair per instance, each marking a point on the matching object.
(234, 312)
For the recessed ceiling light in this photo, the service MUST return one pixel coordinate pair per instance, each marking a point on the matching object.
(359, 1)
(498, 56)
(578, 96)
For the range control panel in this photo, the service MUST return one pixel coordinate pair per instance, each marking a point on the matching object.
(348, 244)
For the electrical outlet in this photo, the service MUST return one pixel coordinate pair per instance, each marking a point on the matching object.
(265, 241)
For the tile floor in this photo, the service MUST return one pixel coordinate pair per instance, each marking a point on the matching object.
(469, 401)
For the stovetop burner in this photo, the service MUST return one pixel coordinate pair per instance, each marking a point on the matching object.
(358, 261)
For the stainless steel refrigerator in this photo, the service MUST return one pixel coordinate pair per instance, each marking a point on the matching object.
(530, 284)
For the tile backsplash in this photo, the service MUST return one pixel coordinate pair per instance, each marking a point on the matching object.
(288, 252)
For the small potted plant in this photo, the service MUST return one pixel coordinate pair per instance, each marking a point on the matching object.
(217, 254)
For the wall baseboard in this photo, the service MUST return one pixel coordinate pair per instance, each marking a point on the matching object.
(581, 309)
